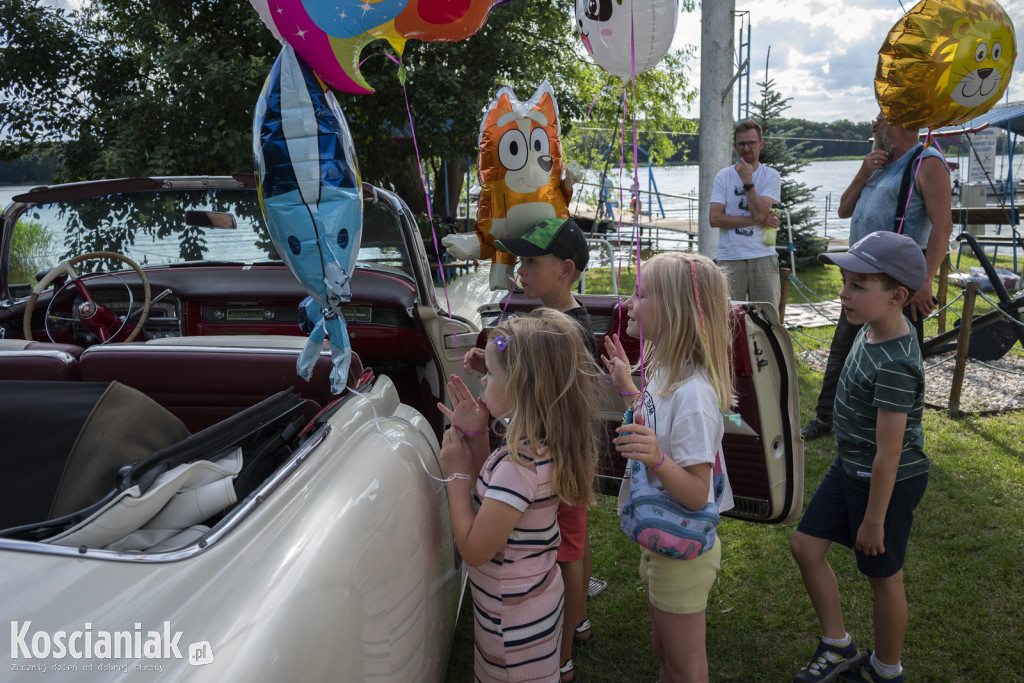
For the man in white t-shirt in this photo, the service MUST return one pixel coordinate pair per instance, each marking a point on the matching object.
(741, 205)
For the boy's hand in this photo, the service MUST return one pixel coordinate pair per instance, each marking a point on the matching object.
(473, 361)
(617, 363)
(467, 414)
(871, 538)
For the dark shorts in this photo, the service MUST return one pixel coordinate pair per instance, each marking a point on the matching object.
(837, 509)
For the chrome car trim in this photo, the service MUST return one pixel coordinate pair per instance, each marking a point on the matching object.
(256, 498)
(63, 356)
(173, 348)
(221, 529)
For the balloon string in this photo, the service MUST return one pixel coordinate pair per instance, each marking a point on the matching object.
(636, 182)
(396, 441)
(378, 54)
(929, 138)
(597, 97)
(507, 300)
(430, 213)
(622, 165)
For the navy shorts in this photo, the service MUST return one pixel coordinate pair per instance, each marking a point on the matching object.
(837, 509)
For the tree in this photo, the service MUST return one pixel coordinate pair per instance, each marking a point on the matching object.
(142, 87)
(133, 87)
(788, 159)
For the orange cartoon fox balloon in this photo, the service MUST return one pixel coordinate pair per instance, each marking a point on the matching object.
(520, 178)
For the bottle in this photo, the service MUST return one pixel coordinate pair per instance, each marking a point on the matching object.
(770, 234)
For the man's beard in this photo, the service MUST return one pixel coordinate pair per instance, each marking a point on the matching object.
(883, 141)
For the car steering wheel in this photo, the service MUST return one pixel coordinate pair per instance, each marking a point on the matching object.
(97, 318)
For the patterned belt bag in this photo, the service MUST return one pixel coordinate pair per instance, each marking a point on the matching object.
(656, 521)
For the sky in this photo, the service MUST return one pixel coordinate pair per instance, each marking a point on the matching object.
(823, 54)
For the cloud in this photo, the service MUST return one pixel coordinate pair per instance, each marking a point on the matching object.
(823, 54)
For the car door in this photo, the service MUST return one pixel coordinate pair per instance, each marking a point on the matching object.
(763, 453)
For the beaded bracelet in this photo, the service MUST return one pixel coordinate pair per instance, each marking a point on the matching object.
(662, 460)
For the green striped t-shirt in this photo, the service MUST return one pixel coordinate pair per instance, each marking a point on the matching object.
(888, 375)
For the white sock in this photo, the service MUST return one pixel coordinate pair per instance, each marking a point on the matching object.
(887, 670)
(840, 642)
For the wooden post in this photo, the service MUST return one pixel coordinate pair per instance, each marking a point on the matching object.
(962, 343)
(784, 277)
(943, 283)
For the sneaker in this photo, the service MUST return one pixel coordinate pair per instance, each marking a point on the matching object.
(865, 673)
(815, 429)
(828, 662)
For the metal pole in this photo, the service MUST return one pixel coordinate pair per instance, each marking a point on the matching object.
(739, 101)
(716, 68)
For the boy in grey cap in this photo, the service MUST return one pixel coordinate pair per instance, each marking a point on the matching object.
(867, 499)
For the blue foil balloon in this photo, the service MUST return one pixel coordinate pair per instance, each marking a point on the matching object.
(310, 193)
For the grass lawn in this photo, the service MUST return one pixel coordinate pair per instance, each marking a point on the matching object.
(964, 573)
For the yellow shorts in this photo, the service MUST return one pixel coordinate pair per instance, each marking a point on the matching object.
(680, 586)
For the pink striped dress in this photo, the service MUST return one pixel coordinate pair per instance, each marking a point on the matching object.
(518, 594)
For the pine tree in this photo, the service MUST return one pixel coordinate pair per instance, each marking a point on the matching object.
(788, 159)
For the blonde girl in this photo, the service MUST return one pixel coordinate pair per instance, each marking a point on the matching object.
(680, 310)
(503, 504)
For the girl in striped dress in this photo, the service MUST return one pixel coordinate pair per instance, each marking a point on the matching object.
(503, 504)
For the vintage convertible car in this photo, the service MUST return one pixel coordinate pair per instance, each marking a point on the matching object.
(176, 499)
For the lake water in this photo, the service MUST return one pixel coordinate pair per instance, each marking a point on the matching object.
(830, 178)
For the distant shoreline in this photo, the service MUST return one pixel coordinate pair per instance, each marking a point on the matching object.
(676, 164)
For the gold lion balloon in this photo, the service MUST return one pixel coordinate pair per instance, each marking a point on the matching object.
(945, 62)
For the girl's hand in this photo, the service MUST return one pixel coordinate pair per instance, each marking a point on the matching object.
(467, 413)
(871, 538)
(617, 363)
(473, 361)
(456, 458)
(638, 442)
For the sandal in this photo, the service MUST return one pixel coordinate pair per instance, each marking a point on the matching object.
(815, 429)
(584, 641)
(567, 669)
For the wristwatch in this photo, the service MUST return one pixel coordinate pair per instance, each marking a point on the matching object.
(748, 186)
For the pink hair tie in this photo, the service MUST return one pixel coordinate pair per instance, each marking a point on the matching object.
(472, 433)
(626, 393)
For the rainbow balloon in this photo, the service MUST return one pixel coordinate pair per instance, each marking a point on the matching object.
(330, 36)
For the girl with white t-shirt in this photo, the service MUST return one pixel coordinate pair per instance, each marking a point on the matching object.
(680, 311)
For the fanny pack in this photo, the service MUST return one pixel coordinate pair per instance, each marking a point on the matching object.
(656, 521)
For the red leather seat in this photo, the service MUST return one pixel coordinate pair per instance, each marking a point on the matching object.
(21, 359)
(203, 380)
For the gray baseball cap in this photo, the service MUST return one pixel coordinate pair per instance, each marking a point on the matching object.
(896, 255)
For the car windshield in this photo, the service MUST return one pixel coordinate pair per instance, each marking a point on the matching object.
(172, 228)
